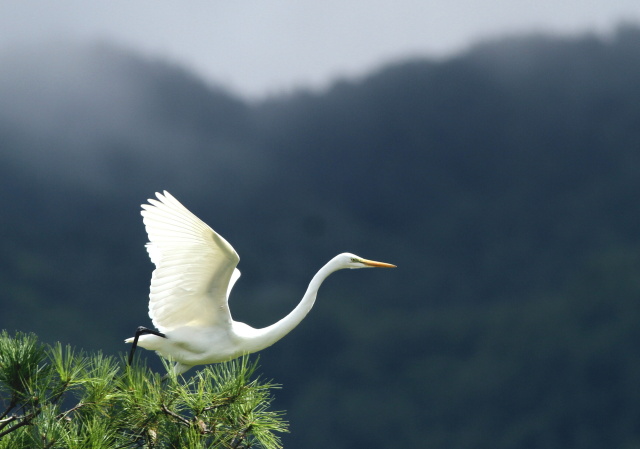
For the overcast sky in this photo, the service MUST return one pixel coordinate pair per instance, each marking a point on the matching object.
(258, 47)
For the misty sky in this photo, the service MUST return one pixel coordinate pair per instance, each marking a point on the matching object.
(258, 47)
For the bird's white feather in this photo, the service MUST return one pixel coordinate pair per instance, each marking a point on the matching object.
(195, 267)
(195, 272)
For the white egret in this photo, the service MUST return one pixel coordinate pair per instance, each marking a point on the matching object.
(188, 299)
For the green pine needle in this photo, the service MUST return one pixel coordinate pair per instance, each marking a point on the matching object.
(55, 397)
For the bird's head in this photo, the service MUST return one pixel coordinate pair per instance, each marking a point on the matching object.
(348, 260)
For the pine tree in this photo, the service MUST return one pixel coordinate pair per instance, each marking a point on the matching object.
(54, 397)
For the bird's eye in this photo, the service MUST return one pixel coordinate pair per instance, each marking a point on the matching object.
(354, 260)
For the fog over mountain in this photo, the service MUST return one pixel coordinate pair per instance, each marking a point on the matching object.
(503, 183)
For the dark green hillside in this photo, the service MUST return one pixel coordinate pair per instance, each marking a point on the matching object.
(503, 183)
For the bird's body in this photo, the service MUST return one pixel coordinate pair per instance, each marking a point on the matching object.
(188, 300)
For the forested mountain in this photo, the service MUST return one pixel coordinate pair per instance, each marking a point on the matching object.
(503, 182)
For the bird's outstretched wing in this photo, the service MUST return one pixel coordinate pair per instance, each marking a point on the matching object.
(195, 267)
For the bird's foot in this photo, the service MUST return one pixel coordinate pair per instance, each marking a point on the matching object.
(142, 331)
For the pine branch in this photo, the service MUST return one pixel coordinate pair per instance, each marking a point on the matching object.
(126, 407)
(25, 419)
(179, 418)
(78, 406)
(5, 421)
(12, 404)
(239, 438)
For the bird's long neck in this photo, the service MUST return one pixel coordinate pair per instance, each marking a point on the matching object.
(271, 334)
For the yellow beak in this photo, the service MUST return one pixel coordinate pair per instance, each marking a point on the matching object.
(373, 263)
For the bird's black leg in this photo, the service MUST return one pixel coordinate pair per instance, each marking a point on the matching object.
(142, 331)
